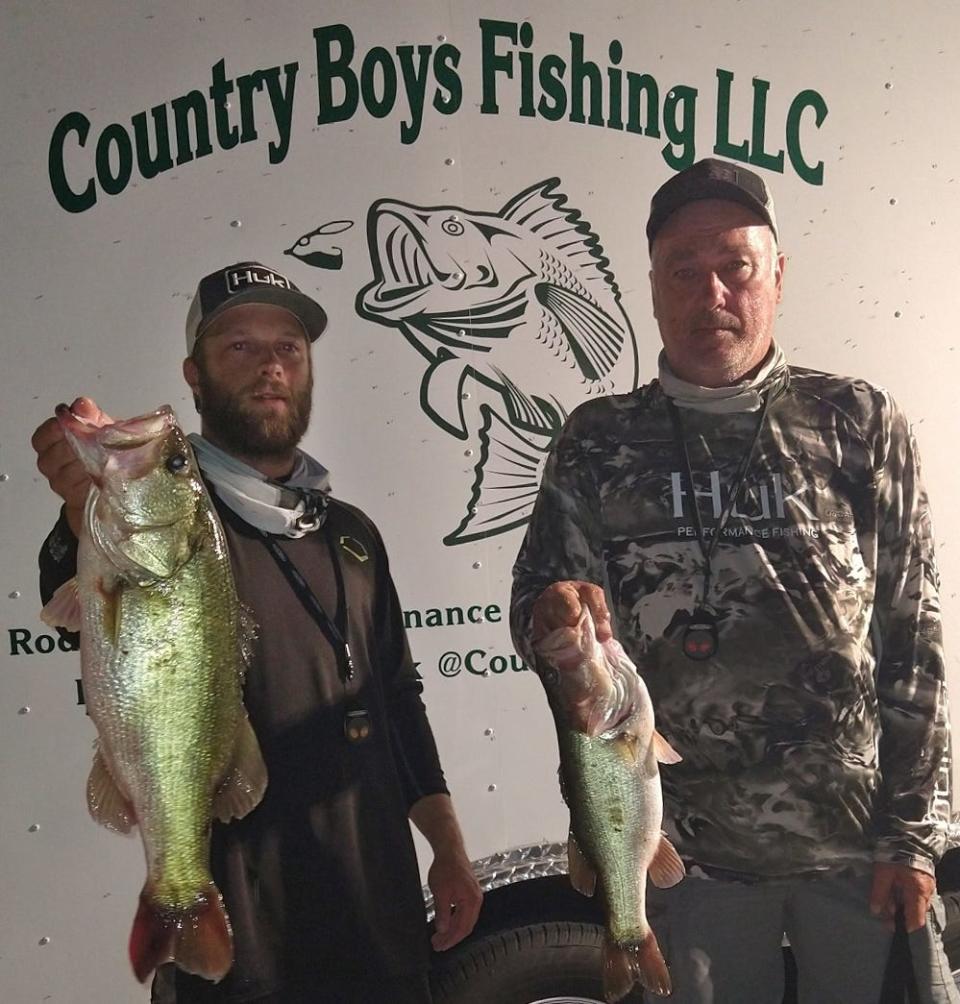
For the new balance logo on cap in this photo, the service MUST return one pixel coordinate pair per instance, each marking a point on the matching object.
(250, 282)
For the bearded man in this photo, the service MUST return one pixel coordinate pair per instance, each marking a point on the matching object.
(320, 880)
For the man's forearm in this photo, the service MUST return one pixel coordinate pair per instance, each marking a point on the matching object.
(435, 817)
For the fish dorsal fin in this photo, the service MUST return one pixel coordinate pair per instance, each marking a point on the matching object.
(595, 341)
(583, 878)
(107, 804)
(666, 869)
(663, 751)
(543, 210)
(246, 778)
(63, 608)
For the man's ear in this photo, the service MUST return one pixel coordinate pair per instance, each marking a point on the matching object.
(781, 266)
(653, 292)
(191, 373)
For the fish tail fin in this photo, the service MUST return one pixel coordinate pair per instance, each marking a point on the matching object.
(152, 937)
(198, 940)
(628, 963)
(205, 941)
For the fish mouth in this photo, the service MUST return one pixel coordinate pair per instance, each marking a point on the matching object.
(76, 425)
(405, 269)
(123, 435)
(132, 445)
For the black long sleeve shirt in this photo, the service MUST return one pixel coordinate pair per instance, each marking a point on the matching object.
(320, 881)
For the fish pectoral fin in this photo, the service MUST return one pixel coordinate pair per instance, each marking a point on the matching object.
(663, 751)
(595, 340)
(107, 804)
(582, 876)
(666, 869)
(63, 609)
(245, 781)
(628, 745)
(441, 392)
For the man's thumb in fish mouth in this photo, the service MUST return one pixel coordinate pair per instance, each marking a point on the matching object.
(561, 604)
(593, 598)
(558, 606)
(88, 409)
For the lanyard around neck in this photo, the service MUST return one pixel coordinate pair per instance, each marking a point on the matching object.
(707, 548)
(335, 631)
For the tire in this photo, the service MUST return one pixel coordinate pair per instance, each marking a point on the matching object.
(557, 962)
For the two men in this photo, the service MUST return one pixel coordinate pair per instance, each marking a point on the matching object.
(320, 880)
(764, 540)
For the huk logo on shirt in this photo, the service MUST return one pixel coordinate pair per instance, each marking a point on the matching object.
(764, 500)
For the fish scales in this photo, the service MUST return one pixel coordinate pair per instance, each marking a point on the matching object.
(609, 755)
(147, 725)
(611, 797)
(163, 641)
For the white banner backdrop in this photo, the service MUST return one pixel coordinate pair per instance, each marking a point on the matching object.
(371, 152)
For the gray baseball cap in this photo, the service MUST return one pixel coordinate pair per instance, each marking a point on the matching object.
(711, 179)
(250, 282)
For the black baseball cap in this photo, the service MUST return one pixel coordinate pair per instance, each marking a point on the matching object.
(250, 282)
(711, 179)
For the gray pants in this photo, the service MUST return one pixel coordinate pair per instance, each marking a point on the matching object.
(934, 981)
(722, 941)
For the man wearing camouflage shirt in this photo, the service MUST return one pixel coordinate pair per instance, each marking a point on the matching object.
(763, 538)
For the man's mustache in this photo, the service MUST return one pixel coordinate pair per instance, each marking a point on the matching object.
(272, 390)
(716, 319)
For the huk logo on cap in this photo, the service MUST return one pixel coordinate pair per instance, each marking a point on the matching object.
(250, 282)
(241, 278)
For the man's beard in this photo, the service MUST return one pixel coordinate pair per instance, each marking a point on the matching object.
(240, 431)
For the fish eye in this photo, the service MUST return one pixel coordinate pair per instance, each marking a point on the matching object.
(452, 227)
(176, 463)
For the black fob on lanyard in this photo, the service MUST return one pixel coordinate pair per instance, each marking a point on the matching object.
(700, 637)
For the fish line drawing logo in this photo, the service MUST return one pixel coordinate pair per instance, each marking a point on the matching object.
(516, 311)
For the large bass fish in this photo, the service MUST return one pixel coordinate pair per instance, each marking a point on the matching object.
(163, 641)
(609, 752)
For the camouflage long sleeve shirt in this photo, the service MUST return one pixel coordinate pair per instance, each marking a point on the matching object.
(813, 738)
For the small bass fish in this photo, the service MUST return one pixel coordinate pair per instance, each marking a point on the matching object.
(163, 642)
(609, 751)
